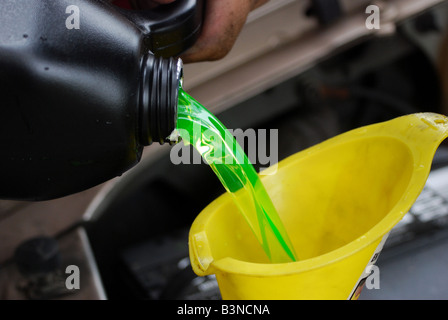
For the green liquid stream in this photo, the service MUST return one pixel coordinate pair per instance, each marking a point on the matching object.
(200, 128)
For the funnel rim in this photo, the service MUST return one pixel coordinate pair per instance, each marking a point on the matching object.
(374, 235)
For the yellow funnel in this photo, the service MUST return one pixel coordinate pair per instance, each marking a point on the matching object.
(338, 201)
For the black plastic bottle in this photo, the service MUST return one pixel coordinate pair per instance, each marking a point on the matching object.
(84, 86)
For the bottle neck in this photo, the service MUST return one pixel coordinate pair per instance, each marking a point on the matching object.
(158, 98)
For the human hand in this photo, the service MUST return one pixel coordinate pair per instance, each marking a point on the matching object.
(223, 21)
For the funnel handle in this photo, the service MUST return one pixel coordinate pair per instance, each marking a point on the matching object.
(426, 127)
(200, 253)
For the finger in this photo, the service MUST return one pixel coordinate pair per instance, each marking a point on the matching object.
(223, 21)
(258, 3)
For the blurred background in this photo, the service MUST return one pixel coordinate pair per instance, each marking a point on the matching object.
(312, 70)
